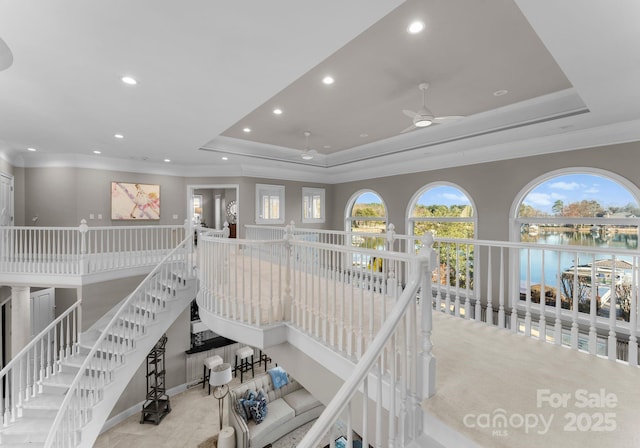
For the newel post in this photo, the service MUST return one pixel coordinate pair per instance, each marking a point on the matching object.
(225, 230)
(287, 303)
(84, 262)
(427, 257)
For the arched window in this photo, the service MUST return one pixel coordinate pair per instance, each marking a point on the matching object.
(586, 208)
(443, 209)
(366, 213)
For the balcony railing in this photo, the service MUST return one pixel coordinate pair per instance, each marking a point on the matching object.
(349, 298)
(84, 250)
(590, 294)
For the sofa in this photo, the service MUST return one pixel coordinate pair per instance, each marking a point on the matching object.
(287, 408)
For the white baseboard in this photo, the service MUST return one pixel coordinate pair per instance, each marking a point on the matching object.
(137, 408)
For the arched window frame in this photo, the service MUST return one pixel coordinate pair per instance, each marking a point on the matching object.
(348, 221)
(516, 221)
(411, 220)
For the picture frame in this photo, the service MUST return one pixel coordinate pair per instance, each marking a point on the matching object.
(135, 201)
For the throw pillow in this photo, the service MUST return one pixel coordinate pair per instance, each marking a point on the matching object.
(246, 402)
(240, 410)
(259, 410)
(279, 377)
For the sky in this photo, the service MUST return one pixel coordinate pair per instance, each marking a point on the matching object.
(575, 188)
(568, 188)
(443, 195)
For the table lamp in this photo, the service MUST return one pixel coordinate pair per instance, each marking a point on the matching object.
(219, 377)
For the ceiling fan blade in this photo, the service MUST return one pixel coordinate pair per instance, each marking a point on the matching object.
(410, 128)
(410, 113)
(448, 119)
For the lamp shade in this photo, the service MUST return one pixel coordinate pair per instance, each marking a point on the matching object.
(220, 374)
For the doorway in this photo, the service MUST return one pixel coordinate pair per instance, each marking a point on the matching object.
(211, 205)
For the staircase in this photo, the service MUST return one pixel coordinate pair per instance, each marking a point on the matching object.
(60, 389)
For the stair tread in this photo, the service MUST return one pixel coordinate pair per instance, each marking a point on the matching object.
(44, 401)
(23, 445)
(60, 379)
(28, 425)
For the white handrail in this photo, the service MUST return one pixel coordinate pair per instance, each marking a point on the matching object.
(38, 360)
(83, 249)
(112, 352)
(345, 394)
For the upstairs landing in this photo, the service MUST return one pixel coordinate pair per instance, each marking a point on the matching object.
(488, 384)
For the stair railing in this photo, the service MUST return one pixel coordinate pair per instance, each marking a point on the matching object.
(117, 338)
(412, 375)
(40, 359)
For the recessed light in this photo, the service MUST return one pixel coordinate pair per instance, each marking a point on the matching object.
(119, 136)
(327, 146)
(277, 111)
(328, 80)
(129, 80)
(247, 130)
(97, 151)
(364, 135)
(415, 27)
(500, 92)
(225, 158)
(167, 160)
(32, 149)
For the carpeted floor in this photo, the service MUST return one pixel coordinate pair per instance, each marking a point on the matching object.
(506, 390)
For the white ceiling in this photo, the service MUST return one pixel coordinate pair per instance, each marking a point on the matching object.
(209, 69)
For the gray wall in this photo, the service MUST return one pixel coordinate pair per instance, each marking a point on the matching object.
(491, 186)
(64, 196)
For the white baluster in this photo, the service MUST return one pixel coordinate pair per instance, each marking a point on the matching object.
(542, 322)
(557, 327)
(489, 312)
(501, 316)
(613, 314)
(456, 305)
(593, 335)
(575, 299)
(633, 316)
(477, 280)
(527, 315)
(467, 276)
(447, 302)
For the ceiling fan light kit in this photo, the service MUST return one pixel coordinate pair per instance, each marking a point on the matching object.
(308, 154)
(424, 117)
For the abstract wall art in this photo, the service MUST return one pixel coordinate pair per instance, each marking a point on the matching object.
(135, 201)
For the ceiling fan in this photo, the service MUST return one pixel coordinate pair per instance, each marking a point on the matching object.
(424, 117)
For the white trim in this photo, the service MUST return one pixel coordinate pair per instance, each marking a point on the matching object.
(272, 190)
(192, 187)
(351, 202)
(313, 191)
(409, 220)
(515, 206)
(515, 221)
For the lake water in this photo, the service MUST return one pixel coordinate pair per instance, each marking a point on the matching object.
(573, 239)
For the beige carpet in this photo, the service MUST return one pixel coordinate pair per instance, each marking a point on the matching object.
(489, 381)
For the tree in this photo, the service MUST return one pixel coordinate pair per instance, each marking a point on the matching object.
(558, 207)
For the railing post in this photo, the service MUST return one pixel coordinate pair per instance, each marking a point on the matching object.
(286, 305)
(225, 230)
(84, 262)
(427, 366)
(391, 236)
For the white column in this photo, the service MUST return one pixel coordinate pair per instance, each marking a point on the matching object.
(20, 318)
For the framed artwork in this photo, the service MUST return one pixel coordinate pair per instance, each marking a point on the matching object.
(135, 201)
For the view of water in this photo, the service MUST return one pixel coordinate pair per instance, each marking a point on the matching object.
(567, 260)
